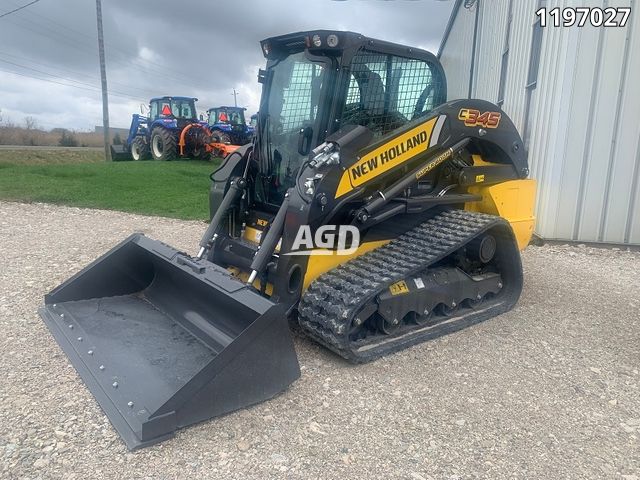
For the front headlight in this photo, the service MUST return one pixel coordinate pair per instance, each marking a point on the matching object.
(317, 41)
(332, 40)
(309, 187)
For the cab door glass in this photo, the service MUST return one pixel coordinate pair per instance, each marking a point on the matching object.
(295, 97)
(154, 110)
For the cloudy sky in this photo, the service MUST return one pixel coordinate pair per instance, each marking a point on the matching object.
(203, 48)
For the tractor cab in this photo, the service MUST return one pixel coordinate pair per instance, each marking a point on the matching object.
(226, 115)
(228, 125)
(180, 111)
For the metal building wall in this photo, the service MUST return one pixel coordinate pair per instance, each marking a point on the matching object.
(492, 32)
(457, 62)
(584, 126)
(518, 68)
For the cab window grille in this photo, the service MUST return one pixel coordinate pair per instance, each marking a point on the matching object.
(300, 97)
(387, 91)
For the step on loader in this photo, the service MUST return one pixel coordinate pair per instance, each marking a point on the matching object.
(368, 211)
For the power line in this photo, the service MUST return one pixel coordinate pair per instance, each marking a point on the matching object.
(83, 48)
(152, 68)
(89, 89)
(19, 8)
(67, 79)
(58, 32)
(74, 72)
(22, 74)
(48, 74)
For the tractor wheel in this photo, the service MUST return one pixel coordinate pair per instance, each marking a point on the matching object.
(139, 149)
(163, 144)
(198, 139)
(199, 153)
(221, 137)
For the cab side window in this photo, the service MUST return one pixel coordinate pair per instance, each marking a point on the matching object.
(154, 110)
(387, 91)
(301, 96)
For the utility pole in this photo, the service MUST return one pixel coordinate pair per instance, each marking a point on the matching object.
(103, 78)
(235, 97)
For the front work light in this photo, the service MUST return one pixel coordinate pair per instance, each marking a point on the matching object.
(332, 40)
(316, 40)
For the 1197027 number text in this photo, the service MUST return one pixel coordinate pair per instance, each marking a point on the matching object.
(580, 16)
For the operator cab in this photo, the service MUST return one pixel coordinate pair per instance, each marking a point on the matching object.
(320, 81)
(180, 109)
(228, 115)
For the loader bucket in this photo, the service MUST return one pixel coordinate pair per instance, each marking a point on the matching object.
(164, 341)
(120, 153)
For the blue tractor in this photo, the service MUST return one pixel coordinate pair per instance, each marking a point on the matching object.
(158, 136)
(228, 125)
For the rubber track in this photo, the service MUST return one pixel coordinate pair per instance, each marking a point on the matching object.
(330, 303)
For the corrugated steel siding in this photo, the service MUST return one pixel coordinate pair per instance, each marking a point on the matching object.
(457, 62)
(518, 69)
(584, 130)
(491, 43)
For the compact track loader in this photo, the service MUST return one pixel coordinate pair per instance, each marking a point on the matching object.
(369, 213)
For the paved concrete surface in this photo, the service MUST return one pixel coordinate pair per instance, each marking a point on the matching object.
(549, 390)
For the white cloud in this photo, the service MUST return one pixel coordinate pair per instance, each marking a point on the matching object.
(162, 47)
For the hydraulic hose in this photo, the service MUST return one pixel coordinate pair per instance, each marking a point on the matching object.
(268, 246)
(383, 197)
(236, 188)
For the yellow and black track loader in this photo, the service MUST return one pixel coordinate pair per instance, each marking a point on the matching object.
(369, 213)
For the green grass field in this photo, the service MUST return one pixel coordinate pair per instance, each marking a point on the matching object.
(43, 156)
(176, 189)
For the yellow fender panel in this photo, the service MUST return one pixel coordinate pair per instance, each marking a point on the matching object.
(244, 277)
(319, 263)
(322, 263)
(514, 201)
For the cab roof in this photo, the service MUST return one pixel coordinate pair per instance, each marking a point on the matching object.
(226, 108)
(347, 40)
(155, 99)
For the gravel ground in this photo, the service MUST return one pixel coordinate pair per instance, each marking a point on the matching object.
(549, 390)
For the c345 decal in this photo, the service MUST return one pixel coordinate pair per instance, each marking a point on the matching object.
(475, 118)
